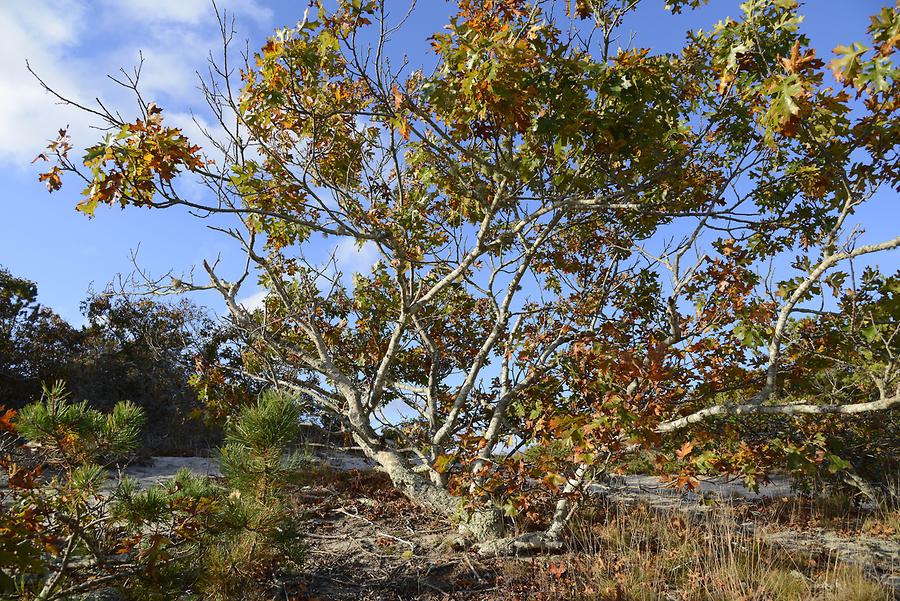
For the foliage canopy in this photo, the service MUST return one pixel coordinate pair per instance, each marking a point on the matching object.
(597, 247)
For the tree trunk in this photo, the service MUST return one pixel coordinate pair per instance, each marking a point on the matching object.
(482, 525)
(548, 541)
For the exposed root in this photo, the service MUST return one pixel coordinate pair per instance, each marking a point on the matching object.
(532, 542)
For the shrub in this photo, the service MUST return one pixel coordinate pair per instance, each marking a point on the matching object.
(77, 529)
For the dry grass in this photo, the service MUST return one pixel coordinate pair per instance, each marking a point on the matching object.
(367, 542)
(833, 511)
(635, 553)
(886, 523)
(619, 553)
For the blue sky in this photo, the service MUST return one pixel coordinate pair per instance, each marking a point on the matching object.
(74, 44)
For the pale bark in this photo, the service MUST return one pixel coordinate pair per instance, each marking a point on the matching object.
(795, 409)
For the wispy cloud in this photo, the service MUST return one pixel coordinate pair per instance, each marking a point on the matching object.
(254, 301)
(74, 44)
(191, 12)
(351, 259)
(41, 34)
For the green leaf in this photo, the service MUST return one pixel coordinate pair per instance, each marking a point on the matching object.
(784, 104)
(328, 42)
(849, 66)
(878, 75)
(885, 25)
(748, 334)
(869, 333)
(736, 50)
(835, 464)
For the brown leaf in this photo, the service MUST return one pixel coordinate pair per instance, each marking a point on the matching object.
(23, 478)
(404, 129)
(398, 97)
(685, 449)
(800, 62)
(557, 569)
(52, 178)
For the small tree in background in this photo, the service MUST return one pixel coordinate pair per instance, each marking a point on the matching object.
(75, 436)
(169, 358)
(36, 345)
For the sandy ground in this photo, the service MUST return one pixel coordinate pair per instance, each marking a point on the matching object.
(637, 487)
(160, 469)
(640, 487)
(633, 488)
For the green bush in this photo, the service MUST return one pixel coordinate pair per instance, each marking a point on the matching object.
(74, 433)
(78, 529)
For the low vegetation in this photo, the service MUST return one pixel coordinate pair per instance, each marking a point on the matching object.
(279, 523)
(74, 524)
(637, 553)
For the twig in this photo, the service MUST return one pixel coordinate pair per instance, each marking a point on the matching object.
(412, 545)
(327, 536)
(471, 567)
(353, 515)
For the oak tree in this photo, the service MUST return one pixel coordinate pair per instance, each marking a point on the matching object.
(584, 247)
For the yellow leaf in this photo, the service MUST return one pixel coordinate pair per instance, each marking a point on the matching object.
(404, 129)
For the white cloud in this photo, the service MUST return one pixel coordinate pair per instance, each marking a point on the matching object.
(348, 260)
(54, 25)
(193, 126)
(29, 116)
(254, 301)
(74, 44)
(351, 259)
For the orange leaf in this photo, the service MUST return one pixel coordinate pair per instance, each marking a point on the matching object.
(52, 177)
(6, 418)
(685, 449)
(557, 569)
(404, 129)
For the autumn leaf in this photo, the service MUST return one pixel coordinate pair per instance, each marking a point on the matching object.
(19, 477)
(685, 449)
(689, 481)
(52, 178)
(557, 569)
(404, 128)
(848, 68)
(798, 63)
(6, 418)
